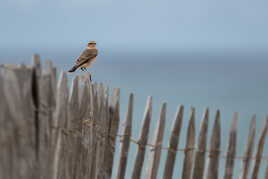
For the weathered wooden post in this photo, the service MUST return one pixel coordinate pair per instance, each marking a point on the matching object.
(155, 153)
(173, 143)
(189, 147)
(260, 147)
(248, 150)
(231, 149)
(214, 151)
(114, 119)
(199, 162)
(125, 140)
(139, 159)
(59, 124)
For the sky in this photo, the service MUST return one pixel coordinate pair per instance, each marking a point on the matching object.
(151, 25)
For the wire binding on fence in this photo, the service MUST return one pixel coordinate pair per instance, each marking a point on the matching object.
(101, 134)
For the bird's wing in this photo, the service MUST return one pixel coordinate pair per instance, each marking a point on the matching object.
(86, 56)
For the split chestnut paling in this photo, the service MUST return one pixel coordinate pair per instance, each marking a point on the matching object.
(48, 132)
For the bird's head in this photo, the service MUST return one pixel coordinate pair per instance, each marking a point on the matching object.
(91, 44)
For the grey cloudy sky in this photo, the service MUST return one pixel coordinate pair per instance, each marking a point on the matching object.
(135, 24)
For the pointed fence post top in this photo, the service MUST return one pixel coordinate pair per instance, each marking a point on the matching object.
(125, 141)
(146, 120)
(63, 81)
(234, 123)
(36, 59)
(206, 116)
(115, 98)
(216, 131)
(203, 130)
(155, 153)
(129, 114)
(260, 147)
(74, 89)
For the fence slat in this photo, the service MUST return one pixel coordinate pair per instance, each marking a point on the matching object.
(36, 76)
(35, 93)
(248, 150)
(102, 126)
(139, 159)
(199, 162)
(103, 172)
(231, 149)
(125, 141)
(73, 125)
(155, 153)
(214, 151)
(94, 141)
(73, 101)
(259, 152)
(49, 69)
(189, 147)
(47, 103)
(60, 122)
(82, 129)
(21, 122)
(6, 168)
(173, 143)
(114, 119)
(36, 63)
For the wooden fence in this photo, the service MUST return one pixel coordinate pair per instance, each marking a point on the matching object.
(48, 132)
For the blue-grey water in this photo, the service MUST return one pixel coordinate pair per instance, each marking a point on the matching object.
(229, 81)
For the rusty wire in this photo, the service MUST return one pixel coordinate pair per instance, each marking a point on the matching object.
(103, 134)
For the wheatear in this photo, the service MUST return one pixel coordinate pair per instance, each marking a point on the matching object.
(87, 58)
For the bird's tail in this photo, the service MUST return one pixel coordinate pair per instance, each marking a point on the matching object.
(74, 68)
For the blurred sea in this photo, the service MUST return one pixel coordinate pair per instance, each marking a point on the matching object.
(232, 82)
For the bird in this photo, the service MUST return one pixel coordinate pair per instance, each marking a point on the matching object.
(87, 58)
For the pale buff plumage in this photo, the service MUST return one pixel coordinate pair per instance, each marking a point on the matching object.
(87, 58)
